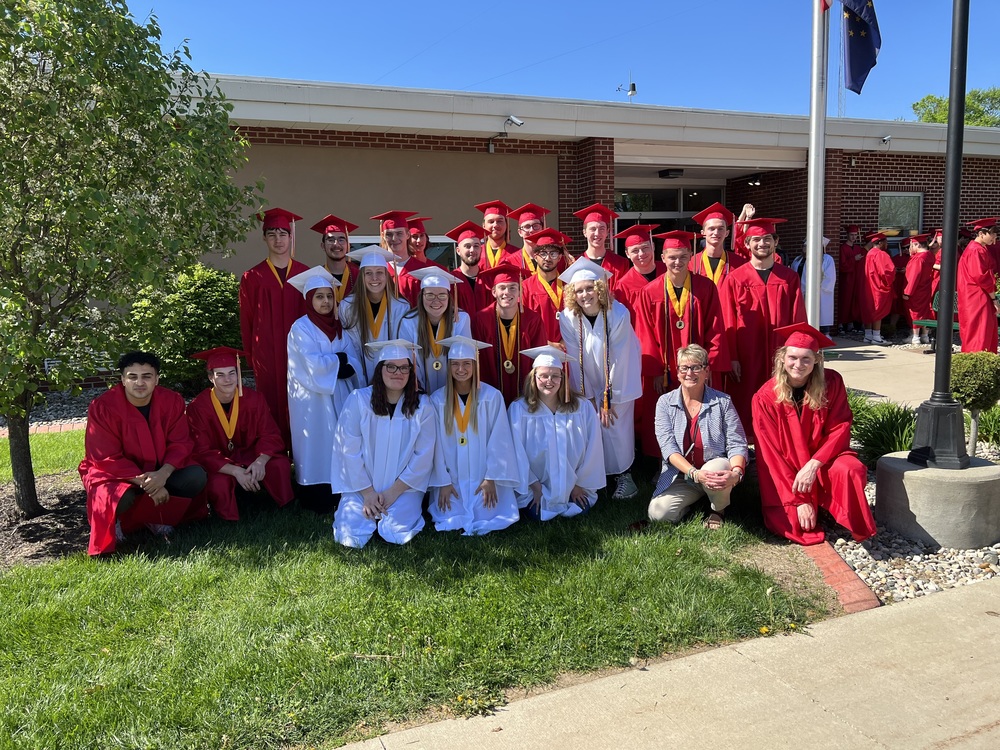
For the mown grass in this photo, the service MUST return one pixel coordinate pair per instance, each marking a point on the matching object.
(267, 634)
(51, 453)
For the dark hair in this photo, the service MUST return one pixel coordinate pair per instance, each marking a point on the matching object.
(138, 358)
(411, 396)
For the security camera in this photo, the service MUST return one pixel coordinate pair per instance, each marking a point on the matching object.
(515, 120)
(886, 139)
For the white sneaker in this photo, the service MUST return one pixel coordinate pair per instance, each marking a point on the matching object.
(625, 488)
(160, 529)
(869, 337)
(879, 341)
(915, 341)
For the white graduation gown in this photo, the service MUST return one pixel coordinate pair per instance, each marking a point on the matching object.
(429, 378)
(563, 450)
(626, 381)
(390, 330)
(827, 283)
(488, 453)
(316, 395)
(373, 451)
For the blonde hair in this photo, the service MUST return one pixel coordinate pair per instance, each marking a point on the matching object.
(447, 317)
(450, 397)
(570, 303)
(815, 393)
(695, 352)
(531, 398)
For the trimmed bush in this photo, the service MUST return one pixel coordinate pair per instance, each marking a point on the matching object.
(886, 427)
(198, 310)
(975, 381)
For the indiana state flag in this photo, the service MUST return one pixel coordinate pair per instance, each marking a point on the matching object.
(862, 41)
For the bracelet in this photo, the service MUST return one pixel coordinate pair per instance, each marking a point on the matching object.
(690, 475)
(741, 473)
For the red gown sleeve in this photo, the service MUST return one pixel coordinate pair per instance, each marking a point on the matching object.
(836, 429)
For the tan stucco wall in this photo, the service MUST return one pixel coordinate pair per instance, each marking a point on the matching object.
(357, 183)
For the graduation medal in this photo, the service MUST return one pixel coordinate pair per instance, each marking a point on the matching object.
(679, 324)
(508, 366)
(508, 338)
(228, 423)
(679, 304)
(460, 411)
(433, 332)
(437, 364)
(555, 295)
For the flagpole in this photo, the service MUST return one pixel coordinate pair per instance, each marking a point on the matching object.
(817, 162)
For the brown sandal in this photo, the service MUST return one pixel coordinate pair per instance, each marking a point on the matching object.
(714, 521)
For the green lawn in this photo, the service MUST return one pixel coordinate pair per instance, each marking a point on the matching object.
(268, 635)
(51, 453)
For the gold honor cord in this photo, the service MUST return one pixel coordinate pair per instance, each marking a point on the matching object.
(433, 336)
(678, 304)
(462, 415)
(508, 340)
(494, 258)
(228, 423)
(556, 295)
(281, 281)
(375, 323)
(720, 269)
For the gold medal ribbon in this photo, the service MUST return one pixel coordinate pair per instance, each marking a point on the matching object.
(341, 291)
(433, 336)
(508, 339)
(679, 304)
(461, 415)
(717, 276)
(494, 257)
(529, 262)
(557, 295)
(375, 323)
(281, 282)
(228, 423)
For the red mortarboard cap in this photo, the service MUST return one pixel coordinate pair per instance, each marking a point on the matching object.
(905, 242)
(330, 224)
(416, 224)
(278, 218)
(968, 234)
(937, 233)
(758, 227)
(636, 234)
(853, 228)
(920, 239)
(875, 237)
(982, 224)
(715, 211)
(220, 357)
(804, 336)
(548, 237)
(596, 212)
(505, 273)
(527, 212)
(497, 207)
(465, 230)
(676, 239)
(394, 219)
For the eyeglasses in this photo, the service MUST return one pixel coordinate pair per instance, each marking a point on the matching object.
(439, 296)
(402, 369)
(556, 376)
(397, 234)
(690, 368)
(529, 228)
(548, 253)
(337, 240)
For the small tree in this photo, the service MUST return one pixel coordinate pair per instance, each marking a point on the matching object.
(975, 381)
(982, 107)
(117, 170)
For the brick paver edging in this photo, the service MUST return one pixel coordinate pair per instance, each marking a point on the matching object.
(854, 594)
(76, 424)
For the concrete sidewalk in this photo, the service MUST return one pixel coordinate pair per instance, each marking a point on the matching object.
(920, 674)
(901, 375)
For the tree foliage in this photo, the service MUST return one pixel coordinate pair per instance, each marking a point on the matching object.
(982, 107)
(117, 163)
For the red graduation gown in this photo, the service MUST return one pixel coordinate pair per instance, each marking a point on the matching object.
(733, 261)
(616, 265)
(752, 310)
(848, 270)
(977, 321)
(537, 299)
(876, 286)
(508, 254)
(345, 289)
(659, 336)
(409, 286)
(786, 441)
(899, 262)
(918, 286)
(267, 310)
(629, 286)
(472, 297)
(530, 334)
(120, 445)
(256, 434)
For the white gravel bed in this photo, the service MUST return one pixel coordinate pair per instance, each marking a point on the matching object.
(897, 569)
(61, 407)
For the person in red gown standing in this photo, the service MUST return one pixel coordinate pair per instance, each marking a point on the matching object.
(715, 262)
(917, 290)
(416, 246)
(597, 222)
(876, 289)
(268, 307)
(543, 291)
(757, 298)
(528, 219)
(977, 290)
(137, 467)
(235, 438)
(851, 267)
(473, 293)
(803, 424)
(336, 243)
(672, 312)
(496, 250)
(645, 266)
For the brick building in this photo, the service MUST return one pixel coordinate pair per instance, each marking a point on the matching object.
(359, 150)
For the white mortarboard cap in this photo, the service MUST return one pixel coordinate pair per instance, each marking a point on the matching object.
(462, 347)
(316, 277)
(392, 349)
(583, 269)
(373, 255)
(546, 356)
(433, 277)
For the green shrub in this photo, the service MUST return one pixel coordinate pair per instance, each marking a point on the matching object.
(861, 407)
(975, 379)
(886, 427)
(198, 310)
(989, 425)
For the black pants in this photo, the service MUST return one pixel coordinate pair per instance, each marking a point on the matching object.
(186, 482)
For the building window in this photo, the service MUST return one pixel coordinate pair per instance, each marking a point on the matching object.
(900, 211)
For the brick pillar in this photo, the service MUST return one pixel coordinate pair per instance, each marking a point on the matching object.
(586, 176)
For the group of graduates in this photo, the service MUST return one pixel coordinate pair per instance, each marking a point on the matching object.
(503, 388)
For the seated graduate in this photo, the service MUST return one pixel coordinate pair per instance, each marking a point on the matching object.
(604, 364)
(236, 440)
(323, 367)
(702, 442)
(373, 311)
(561, 435)
(476, 466)
(137, 467)
(435, 317)
(803, 426)
(383, 452)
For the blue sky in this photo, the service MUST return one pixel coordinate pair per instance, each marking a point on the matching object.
(714, 54)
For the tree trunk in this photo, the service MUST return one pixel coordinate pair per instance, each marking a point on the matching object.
(25, 493)
(973, 434)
